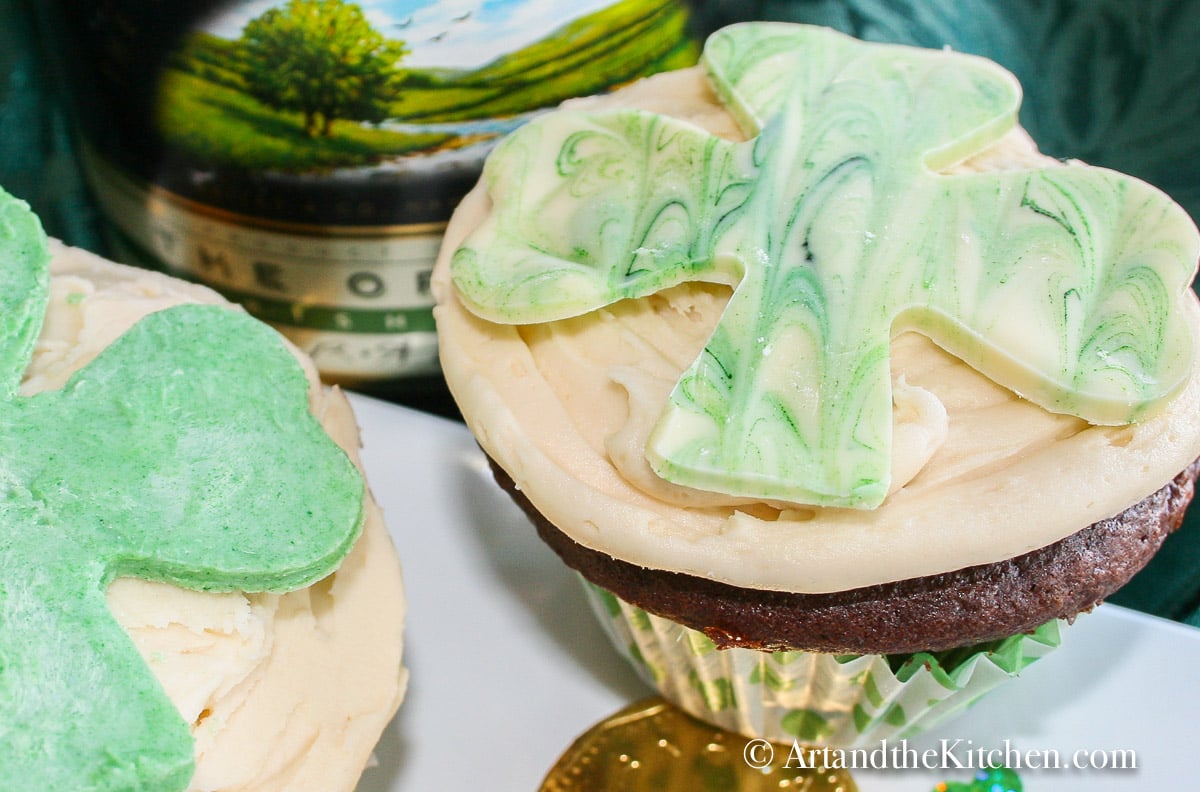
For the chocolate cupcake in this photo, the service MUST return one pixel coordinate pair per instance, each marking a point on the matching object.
(839, 396)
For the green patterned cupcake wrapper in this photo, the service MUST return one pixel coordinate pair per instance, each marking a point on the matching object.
(818, 699)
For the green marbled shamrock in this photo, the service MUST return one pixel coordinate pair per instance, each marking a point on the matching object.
(837, 230)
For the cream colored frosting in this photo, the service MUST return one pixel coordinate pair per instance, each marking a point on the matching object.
(251, 673)
(979, 474)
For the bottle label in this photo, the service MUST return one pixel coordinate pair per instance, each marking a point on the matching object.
(304, 156)
(358, 302)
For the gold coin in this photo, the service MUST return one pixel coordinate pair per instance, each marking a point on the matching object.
(651, 746)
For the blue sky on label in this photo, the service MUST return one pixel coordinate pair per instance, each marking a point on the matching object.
(459, 34)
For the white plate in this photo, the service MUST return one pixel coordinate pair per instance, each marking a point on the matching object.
(508, 664)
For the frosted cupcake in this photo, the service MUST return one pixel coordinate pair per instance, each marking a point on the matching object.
(838, 395)
(191, 555)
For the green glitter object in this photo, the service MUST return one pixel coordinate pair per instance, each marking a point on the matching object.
(993, 779)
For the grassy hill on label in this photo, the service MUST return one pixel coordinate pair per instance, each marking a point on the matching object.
(206, 112)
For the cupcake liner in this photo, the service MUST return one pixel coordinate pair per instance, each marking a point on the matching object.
(818, 699)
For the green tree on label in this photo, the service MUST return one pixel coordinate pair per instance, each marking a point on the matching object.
(322, 58)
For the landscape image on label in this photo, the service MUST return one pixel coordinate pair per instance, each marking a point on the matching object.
(329, 85)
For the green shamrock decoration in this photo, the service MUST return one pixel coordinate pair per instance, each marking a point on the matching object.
(836, 230)
(184, 453)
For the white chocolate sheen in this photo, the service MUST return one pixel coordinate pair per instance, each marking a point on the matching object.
(980, 474)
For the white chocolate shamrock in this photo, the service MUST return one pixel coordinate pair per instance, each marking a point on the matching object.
(836, 230)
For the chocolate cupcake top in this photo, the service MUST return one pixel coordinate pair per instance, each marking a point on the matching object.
(709, 351)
